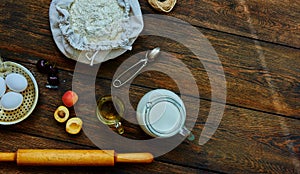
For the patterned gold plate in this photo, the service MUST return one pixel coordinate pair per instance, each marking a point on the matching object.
(30, 96)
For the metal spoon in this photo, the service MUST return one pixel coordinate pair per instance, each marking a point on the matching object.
(149, 57)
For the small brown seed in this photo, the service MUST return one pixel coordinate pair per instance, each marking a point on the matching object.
(61, 114)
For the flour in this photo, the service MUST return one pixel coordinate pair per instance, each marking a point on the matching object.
(94, 31)
(97, 20)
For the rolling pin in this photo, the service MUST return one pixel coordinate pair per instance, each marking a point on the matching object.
(55, 157)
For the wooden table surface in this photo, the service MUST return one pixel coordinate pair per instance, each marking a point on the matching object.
(258, 44)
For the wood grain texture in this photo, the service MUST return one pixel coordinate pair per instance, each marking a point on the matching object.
(266, 75)
(270, 21)
(246, 140)
(11, 142)
(258, 45)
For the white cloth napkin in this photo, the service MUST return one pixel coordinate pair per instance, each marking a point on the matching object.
(96, 53)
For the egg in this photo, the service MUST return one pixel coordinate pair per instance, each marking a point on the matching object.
(11, 100)
(16, 82)
(2, 86)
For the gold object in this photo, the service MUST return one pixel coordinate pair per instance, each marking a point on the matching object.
(164, 6)
(110, 111)
(61, 114)
(74, 125)
(30, 94)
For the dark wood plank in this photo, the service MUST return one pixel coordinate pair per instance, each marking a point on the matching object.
(260, 76)
(271, 21)
(10, 142)
(267, 75)
(246, 140)
(157, 167)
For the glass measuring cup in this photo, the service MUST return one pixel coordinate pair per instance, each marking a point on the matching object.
(110, 111)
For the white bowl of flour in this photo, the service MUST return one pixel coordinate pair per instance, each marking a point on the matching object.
(93, 31)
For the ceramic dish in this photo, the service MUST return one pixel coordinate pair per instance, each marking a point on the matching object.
(30, 95)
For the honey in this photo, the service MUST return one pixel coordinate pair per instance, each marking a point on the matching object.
(110, 111)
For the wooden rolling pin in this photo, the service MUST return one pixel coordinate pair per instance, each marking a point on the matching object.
(54, 157)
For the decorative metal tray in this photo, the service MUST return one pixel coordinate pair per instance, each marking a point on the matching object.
(30, 96)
